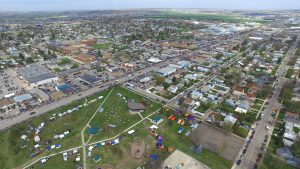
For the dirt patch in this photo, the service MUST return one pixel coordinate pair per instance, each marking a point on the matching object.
(137, 148)
(225, 144)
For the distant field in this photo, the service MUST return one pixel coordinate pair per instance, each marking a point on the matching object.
(207, 17)
(102, 46)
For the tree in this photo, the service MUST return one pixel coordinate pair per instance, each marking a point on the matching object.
(181, 100)
(174, 79)
(244, 42)
(64, 61)
(75, 65)
(56, 70)
(296, 148)
(21, 56)
(244, 54)
(236, 76)
(266, 90)
(223, 70)
(227, 126)
(99, 54)
(236, 47)
(29, 60)
(219, 56)
(159, 80)
(52, 35)
(166, 85)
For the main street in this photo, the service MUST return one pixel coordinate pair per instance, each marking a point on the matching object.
(261, 131)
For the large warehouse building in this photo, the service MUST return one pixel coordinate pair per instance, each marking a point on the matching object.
(166, 71)
(36, 75)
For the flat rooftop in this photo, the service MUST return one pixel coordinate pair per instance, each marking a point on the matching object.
(166, 70)
(35, 73)
(90, 79)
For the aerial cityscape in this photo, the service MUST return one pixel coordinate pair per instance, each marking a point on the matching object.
(149, 84)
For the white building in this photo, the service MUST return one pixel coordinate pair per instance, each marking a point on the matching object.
(166, 71)
(36, 75)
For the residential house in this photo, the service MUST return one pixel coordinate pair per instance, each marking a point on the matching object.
(238, 91)
(173, 89)
(230, 119)
(196, 95)
(286, 153)
(230, 103)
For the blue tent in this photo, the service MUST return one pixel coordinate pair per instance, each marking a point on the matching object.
(180, 130)
(159, 143)
(48, 148)
(153, 157)
(97, 157)
(98, 145)
(93, 130)
(197, 149)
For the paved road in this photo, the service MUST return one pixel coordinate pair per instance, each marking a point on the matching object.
(46, 108)
(254, 148)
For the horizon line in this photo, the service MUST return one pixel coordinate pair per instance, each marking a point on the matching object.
(120, 9)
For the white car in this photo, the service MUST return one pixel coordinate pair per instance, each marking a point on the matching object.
(267, 127)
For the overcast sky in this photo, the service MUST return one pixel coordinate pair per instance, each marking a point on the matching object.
(52, 5)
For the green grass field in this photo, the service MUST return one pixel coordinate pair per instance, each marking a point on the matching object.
(11, 155)
(207, 17)
(116, 112)
(102, 46)
(57, 161)
(119, 155)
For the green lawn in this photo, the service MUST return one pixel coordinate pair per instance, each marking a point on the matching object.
(57, 161)
(116, 113)
(102, 46)
(11, 155)
(241, 131)
(258, 101)
(119, 155)
(203, 107)
(289, 73)
(257, 106)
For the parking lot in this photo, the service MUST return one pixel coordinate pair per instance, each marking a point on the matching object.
(9, 83)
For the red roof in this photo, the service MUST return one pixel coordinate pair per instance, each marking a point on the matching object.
(239, 89)
(250, 95)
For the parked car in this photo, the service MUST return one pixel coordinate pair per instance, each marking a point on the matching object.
(32, 113)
